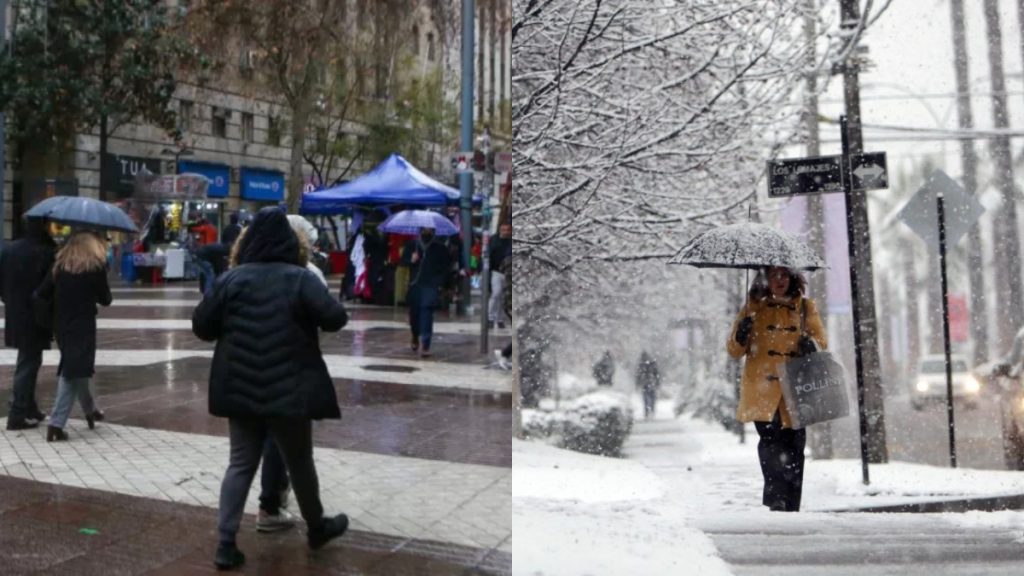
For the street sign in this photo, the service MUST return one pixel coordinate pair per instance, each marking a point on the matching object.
(962, 210)
(462, 162)
(503, 162)
(869, 170)
(805, 176)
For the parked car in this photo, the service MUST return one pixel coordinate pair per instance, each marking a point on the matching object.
(930, 384)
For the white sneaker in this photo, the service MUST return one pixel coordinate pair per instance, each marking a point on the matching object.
(274, 522)
(502, 361)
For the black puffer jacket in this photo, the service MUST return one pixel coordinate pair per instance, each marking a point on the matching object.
(265, 318)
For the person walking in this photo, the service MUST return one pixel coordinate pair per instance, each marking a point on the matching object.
(604, 370)
(77, 284)
(428, 259)
(767, 331)
(268, 375)
(504, 355)
(24, 265)
(648, 380)
(500, 249)
(232, 231)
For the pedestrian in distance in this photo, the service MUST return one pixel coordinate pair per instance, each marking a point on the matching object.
(429, 265)
(230, 234)
(767, 332)
(268, 375)
(24, 264)
(505, 354)
(500, 249)
(648, 381)
(71, 292)
(604, 370)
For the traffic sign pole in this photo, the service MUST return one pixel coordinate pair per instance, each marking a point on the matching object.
(945, 328)
(854, 296)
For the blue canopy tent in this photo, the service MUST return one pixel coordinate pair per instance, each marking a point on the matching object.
(393, 181)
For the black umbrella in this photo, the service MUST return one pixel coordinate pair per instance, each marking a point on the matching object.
(748, 245)
(86, 212)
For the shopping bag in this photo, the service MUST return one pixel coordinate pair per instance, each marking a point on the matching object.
(814, 387)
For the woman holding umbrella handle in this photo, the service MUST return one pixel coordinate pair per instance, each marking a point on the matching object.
(768, 331)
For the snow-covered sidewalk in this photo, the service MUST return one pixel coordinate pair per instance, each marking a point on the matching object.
(686, 500)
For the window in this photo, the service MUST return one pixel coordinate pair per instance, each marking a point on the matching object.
(416, 40)
(185, 108)
(219, 117)
(248, 127)
(431, 51)
(274, 130)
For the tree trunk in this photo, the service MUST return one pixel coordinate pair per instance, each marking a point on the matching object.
(969, 162)
(301, 108)
(1007, 235)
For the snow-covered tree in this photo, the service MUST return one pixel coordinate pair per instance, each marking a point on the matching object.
(636, 126)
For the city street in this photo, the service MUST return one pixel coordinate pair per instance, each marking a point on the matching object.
(421, 460)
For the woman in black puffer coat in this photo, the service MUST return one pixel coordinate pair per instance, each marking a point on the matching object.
(268, 375)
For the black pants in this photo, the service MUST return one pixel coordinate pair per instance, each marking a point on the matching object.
(294, 438)
(650, 398)
(782, 463)
(274, 478)
(23, 400)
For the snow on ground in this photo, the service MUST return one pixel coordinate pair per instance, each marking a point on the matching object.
(578, 514)
(575, 514)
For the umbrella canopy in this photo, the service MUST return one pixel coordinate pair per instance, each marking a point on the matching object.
(86, 212)
(748, 245)
(411, 221)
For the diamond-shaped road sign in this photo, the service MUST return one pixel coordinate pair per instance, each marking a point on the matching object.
(921, 214)
(869, 171)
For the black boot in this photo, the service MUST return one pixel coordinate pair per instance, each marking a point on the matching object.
(21, 424)
(54, 434)
(93, 418)
(329, 529)
(228, 556)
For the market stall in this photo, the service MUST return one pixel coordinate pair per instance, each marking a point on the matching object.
(172, 210)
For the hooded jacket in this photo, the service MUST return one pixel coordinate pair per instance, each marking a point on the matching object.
(772, 342)
(265, 315)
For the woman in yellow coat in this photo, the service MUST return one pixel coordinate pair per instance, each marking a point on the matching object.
(767, 331)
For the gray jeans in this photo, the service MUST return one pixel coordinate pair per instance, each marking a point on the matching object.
(495, 308)
(67, 390)
(294, 439)
(23, 400)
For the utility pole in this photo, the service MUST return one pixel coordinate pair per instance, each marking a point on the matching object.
(814, 217)
(969, 163)
(1006, 232)
(466, 179)
(864, 292)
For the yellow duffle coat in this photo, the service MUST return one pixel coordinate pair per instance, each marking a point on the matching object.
(772, 341)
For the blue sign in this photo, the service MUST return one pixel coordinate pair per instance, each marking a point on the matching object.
(262, 185)
(219, 175)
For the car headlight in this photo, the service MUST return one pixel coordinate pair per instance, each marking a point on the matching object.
(971, 384)
(922, 385)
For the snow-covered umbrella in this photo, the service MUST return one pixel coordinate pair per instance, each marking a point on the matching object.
(748, 245)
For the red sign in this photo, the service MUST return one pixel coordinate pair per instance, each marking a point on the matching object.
(959, 318)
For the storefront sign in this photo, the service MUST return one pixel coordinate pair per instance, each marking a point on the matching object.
(262, 185)
(219, 175)
(119, 174)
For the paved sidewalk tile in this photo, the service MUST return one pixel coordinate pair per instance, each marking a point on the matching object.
(461, 504)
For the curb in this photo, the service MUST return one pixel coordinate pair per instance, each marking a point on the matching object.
(994, 504)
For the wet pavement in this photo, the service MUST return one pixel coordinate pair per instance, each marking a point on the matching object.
(420, 461)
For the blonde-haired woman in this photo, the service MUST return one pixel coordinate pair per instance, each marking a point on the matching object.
(77, 284)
